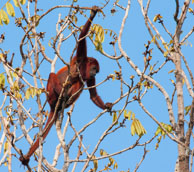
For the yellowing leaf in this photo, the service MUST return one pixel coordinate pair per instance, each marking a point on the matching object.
(133, 116)
(18, 95)
(5, 146)
(103, 152)
(165, 45)
(171, 41)
(155, 19)
(153, 39)
(10, 9)
(2, 81)
(158, 131)
(151, 68)
(38, 91)
(1, 23)
(171, 71)
(127, 114)
(132, 129)
(158, 16)
(115, 118)
(35, 19)
(33, 92)
(112, 76)
(115, 166)
(22, 2)
(16, 86)
(74, 18)
(187, 109)
(4, 16)
(111, 160)
(192, 1)
(165, 54)
(137, 128)
(172, 81)
(183, 81)
(190, 10)
(132, 77)
(27, 94)
(16, 3)
(99, 36)
(95, 162)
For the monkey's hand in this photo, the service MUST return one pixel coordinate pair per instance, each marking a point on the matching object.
(24, 160)
(108, 106)
(94, 10)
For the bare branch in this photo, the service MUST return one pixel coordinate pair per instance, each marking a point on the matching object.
(177, 11)
(143, 157)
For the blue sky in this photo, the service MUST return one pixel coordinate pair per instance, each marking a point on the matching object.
(134, 37)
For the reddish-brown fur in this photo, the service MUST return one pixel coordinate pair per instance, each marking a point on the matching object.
(82, 65)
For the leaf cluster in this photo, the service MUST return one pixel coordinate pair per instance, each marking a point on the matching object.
(9, 11)
(136, 126)
(112, 164)
(168, 128)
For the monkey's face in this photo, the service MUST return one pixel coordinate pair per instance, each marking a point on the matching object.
(92, 68)
(93, 71)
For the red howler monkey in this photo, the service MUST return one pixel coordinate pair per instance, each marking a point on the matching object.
(82, 69)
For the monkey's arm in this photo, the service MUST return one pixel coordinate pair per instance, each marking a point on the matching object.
(95, 97)
(82, 49)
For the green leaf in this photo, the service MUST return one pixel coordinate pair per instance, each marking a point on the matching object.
(10, 9)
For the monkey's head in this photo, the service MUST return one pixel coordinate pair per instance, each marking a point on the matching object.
(92, 68)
